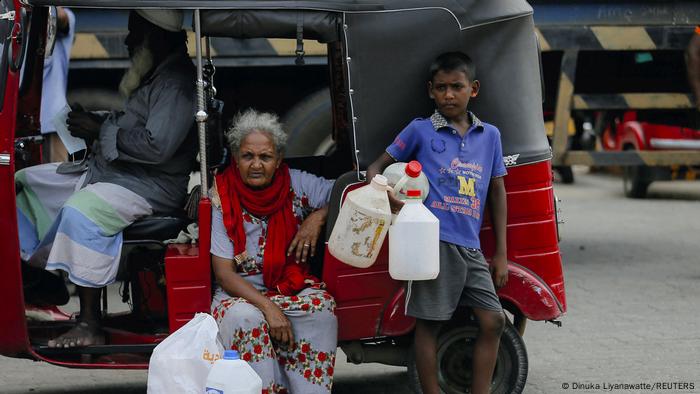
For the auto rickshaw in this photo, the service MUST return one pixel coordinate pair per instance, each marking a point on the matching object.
(378, 53)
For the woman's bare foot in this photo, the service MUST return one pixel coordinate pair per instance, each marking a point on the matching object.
(83, 334)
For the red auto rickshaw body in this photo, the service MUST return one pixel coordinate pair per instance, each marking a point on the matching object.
(371, 304)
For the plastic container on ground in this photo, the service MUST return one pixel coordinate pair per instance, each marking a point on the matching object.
(407, 176)
(362, 224)
(231, 375)
(414, 242)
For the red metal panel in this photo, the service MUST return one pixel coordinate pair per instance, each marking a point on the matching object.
(394, 320)
(360, 294)
(530, 295)
(13, 328)
(188, 274)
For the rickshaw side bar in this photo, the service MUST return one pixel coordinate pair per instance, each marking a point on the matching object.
(201, 115)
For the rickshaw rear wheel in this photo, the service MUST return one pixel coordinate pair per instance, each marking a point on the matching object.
(455, 348)
(308, 124)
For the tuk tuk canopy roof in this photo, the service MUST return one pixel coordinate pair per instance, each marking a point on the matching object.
(466, 12)
(389, 46)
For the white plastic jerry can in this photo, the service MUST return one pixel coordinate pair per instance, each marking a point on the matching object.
(362, 224)
(414, 241)
(231, 375)
(406, 176)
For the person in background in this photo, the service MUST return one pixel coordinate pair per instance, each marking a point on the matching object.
(693, 64)
(139, 165)
(53, 94)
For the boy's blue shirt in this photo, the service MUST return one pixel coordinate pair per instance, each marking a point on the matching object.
(459, 170)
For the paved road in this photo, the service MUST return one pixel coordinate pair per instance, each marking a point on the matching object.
(633, 284)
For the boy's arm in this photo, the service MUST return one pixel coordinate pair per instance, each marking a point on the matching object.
(378, 167)
(498, 209)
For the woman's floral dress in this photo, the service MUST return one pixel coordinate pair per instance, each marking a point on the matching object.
(306, 366)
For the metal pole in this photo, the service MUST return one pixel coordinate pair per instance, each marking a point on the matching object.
(201, 116)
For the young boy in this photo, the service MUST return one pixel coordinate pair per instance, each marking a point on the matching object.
(462, 158)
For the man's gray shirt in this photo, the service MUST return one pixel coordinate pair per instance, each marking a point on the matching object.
(150, 148)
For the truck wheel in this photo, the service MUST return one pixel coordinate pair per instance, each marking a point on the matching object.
(96, 99)
(636, 180)
(309, 124)
(566, 174)
(455, 348)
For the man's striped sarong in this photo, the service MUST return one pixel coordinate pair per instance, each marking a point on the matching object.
(78, 229)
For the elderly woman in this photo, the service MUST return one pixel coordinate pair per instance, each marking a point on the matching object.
(266, 222)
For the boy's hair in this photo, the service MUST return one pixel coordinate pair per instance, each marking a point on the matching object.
(453, 61)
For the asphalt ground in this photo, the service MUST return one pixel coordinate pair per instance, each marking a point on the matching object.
(632, 270)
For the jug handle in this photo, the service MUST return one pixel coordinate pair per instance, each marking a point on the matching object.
(398, 186)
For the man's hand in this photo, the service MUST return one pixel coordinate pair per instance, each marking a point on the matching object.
(280, 327)
(499, 271)
(85, 125)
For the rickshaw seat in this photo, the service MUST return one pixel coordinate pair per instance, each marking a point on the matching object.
(341, 183)
(156, 228)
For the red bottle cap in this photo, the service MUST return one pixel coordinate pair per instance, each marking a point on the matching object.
(413, 168)
(413, 193)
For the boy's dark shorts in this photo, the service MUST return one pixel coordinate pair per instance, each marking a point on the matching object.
(464, 279)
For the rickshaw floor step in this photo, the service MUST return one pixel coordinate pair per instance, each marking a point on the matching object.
(96, 349)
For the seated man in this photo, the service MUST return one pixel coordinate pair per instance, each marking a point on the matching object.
(140, 162)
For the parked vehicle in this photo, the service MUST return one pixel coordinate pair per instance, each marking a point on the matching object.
(652, 131)
(377, 60)
(615, 57)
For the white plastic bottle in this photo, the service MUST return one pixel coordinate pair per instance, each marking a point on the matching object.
(231, 375)
(414, 241)
(407, 176)
(362, 224)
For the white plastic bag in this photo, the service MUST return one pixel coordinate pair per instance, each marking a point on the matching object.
(181, 362)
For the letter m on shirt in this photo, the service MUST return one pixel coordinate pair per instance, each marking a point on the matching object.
(466, 187)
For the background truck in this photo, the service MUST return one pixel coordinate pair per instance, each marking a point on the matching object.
(619, 66)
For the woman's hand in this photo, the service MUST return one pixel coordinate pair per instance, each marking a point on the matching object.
(304, 242)
(280, 326)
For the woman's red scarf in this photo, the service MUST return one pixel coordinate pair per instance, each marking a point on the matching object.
(280, 272)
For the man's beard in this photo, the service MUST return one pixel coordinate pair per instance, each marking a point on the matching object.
(141, 64)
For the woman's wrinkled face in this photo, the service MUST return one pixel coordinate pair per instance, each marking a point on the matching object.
(257, 160)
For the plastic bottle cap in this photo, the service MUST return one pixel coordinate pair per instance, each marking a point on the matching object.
(413, 168)
(413, 194)
(231, 355)
(380, 180)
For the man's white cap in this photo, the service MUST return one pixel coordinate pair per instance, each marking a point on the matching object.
(170, 20)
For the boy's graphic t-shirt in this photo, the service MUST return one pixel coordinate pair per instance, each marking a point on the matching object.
(459, 170)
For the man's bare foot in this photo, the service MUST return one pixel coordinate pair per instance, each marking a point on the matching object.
(83, 334)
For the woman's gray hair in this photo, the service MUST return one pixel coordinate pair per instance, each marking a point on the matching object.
(250, 121)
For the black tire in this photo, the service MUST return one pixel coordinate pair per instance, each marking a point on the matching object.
(566, 174)
(96, 99)
(455, 346)
(308, 124)
(636, 180)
